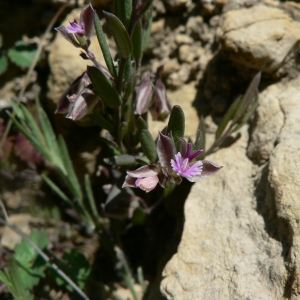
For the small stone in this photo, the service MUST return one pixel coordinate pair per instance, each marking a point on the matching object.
(183, 39)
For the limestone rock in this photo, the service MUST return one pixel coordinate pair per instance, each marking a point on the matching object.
(241, 238)
(259, 37)
(268, 123)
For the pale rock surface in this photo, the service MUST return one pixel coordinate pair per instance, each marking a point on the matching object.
(241, 238)
(259, 37)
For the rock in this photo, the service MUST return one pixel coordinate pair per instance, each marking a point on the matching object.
(224, 252)
(183, 39)
(194, 26)
(177, 79)
(268, 123)
(259, 37)
(241, 238)
(176, 5)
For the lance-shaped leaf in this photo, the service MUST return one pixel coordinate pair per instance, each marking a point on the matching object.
(104, 46)
(120, 35)
(137, 41)
(123, 9)
(104, 87)
(200, 141)
(121, 160)
(228, 117)
(102, 122)
(148, 145)
(166, 151)
(248, 97)
(176, 123)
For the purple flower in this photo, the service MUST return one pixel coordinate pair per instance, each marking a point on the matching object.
(152, 96)
(172, 166)
(79, 33)
(76, 28)
(184, 168)
(146, 178)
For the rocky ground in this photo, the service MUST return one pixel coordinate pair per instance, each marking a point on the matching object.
(241, 234)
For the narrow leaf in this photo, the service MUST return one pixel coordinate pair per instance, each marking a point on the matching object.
(137, 41)
(121, 160)
(228, 117)
(90, 196)
(71, 177)
(32, 139)
(57, 190)
(248, 97)
(176, 123)
(101, 121)
(148, 145)
(120, 35)
(104, 87)
(104, 46)
(50, 138)
(3, 63)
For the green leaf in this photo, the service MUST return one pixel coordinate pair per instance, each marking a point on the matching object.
(18, 111)
(32, 139)
(148, 20)
(31, 266)
(148, 145)
(56, 189)
(71, 177)
(141, 124)
(3, 63)
(101, 121)
(104, 88)
(90, 196)
(123, 9)
(248, 97)
(176, 123)
(228, 117)
(76, 266)
(124, 160)
(120, 35)
(137, 41)
(104, 46)
(1, 41)
(13, 281)
(23, 54)
(200, 138)
(50, 138)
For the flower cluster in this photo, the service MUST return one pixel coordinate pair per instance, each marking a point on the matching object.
(172, 166)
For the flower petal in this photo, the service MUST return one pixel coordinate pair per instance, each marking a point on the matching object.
(147, 184)
(209, 169)
(144, 171)
(166, 151)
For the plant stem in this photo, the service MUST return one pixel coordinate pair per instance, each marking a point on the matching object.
(46, 258)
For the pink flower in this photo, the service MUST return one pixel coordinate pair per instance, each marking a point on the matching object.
(76, 28)
(184, 168)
